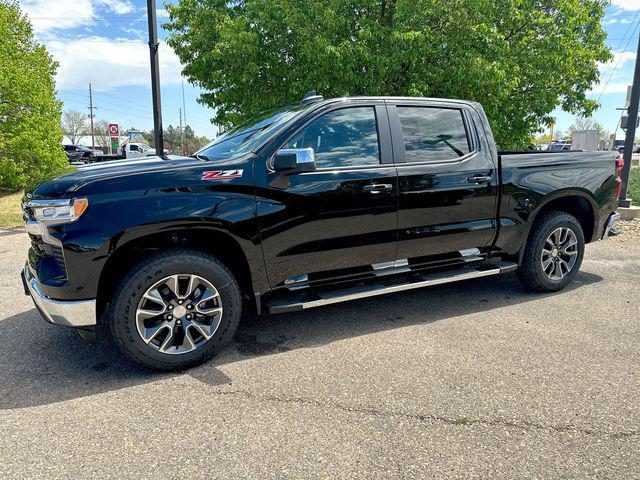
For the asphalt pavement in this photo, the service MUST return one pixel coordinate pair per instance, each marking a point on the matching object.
(481, 379)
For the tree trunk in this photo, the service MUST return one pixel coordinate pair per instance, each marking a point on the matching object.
(387, 12)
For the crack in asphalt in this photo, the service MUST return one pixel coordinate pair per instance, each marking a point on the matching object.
(461, 421)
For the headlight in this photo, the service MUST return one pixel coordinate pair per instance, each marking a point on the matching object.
(58, 211)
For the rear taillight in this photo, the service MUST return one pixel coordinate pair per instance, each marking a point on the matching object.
(619, 167)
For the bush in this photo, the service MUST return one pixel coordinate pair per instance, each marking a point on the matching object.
(30, 131)
(633, 191)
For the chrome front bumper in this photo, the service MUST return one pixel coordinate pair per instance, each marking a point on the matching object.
(608, 227)
(79, 313)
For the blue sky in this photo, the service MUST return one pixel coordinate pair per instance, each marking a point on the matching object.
(104, 42)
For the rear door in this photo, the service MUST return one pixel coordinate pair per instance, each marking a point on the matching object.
(339, 221)
(448, 182)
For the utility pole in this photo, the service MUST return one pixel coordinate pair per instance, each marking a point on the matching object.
(155, 77)
(632, 122)
(181, 133)
(91, 107)
(184, 106)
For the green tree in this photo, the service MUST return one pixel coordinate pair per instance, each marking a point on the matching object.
(30, 131)
(173, 140)
(519, 58)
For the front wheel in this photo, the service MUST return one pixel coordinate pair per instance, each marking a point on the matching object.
(175, 310)
(553, 253)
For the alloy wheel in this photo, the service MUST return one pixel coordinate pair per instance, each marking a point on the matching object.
(179, 313)
(559, 253)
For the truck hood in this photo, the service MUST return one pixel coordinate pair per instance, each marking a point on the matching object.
(70, 184)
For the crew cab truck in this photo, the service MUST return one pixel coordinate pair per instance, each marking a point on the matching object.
(313, 204)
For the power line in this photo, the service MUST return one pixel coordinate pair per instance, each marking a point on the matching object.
(618, 62)
(125, 102)
(624, 37)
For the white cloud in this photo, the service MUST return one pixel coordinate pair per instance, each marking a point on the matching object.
(162, 13)
(626, 4)
(119, 7)
(612, 87)
(46, 15)
(621, 59)
(110, 63)
(613, 77)
(58, 14)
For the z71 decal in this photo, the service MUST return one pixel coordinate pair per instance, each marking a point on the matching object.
(221, 174)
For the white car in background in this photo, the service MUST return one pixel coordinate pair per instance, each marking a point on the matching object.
(137, 150)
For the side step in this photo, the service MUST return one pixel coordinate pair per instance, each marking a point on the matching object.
(372, 290)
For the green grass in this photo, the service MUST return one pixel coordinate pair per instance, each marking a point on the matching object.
(10, 210)
(634, 186)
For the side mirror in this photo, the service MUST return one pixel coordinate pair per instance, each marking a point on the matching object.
(295, 160)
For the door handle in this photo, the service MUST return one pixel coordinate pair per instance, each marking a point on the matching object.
(377, 187)
(480, 179)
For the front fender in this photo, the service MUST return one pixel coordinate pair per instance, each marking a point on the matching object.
(114, 222)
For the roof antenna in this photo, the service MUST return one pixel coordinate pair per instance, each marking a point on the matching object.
(311, 97)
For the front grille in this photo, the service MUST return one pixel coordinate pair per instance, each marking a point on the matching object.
(38, 245)
(49, 257)
(56, 253)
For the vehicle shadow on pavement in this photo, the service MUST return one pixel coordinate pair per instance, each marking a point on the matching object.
(43, 364)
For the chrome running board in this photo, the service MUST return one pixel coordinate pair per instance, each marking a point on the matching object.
(391, 286)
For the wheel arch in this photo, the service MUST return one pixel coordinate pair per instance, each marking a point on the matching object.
(218, 243)
(577, 203)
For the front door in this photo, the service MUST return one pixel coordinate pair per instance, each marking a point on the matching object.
(448, 182)
(341, 219)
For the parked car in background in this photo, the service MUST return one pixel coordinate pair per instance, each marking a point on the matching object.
(137, 150)
(619, 146)
(317, 203)
(560, 146)
(80, 153)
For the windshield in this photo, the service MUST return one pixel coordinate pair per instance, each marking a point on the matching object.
(248, 136)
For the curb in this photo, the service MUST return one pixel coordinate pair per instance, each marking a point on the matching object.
(629, 213)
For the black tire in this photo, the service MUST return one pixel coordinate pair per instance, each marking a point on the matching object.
(531, 272)
(128, 294)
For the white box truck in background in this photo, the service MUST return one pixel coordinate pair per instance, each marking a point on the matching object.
(585, 140)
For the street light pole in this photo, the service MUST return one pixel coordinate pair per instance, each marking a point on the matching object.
(155, 77)
(629, 140)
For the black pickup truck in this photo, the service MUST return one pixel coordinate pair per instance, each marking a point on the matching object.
(316, 203)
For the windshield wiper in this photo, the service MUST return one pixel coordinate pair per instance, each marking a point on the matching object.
(200, 156)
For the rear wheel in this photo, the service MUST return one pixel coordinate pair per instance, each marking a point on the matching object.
(553, 253)
(175, 310)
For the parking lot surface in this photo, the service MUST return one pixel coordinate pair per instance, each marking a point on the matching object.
(481, 379)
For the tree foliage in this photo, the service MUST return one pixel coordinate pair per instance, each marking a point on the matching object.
(75, 125)
(30, 132)
(173, 140)
(101, 134)
(519, 58)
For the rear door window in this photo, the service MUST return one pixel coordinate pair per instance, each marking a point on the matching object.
(433, 134)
